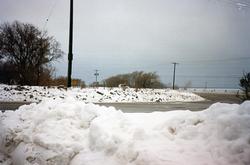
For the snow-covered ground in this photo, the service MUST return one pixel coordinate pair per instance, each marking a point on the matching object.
(68, 131)
(95, 95)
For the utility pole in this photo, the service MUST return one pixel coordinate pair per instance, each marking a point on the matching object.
(96, 75)
(174, 63)
(70, 54)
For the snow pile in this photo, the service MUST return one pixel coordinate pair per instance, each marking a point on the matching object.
(96, 95)
(72, 132)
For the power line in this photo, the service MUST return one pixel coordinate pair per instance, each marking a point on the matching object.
(201, 62)
(244, 3)
(219, 60)
(50, 13)
(211, 77)
(187, 62)
(206, 76)
(239, 4)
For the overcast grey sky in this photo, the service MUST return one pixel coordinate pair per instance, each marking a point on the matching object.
(209, 38)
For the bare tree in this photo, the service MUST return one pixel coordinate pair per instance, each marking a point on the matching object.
(245, 85)
(8, 73)
(114, 81)
(136, 80)
(188, 85)
(28, 49)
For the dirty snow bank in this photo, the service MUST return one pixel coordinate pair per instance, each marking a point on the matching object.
(72, 132)
(96, 95)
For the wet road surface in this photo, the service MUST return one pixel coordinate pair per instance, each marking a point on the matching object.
(134, 107)
(151, 107)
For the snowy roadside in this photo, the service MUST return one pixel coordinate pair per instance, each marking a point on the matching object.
(96, 95)
(68, 131)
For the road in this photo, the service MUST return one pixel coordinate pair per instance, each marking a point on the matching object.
(136, 107)
(151, 107)
(133, 107)
(193, 106)
(11, 105)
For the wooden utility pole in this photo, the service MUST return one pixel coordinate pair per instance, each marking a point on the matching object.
(70, 54)
(96, 75)
(174, 63)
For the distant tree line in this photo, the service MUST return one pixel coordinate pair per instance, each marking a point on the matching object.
(26, 54)
(137, 79)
